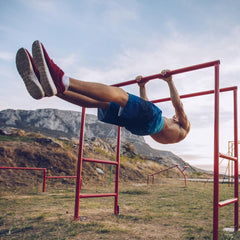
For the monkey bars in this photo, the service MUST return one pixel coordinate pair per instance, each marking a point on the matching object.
(216, 91)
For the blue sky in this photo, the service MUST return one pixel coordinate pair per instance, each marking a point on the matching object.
(111, 41)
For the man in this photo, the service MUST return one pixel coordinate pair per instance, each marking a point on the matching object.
(43, 78)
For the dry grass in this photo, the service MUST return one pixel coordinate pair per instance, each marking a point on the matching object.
(161, 211)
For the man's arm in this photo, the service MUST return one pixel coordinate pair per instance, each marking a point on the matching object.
(177, 103)
(142, 89)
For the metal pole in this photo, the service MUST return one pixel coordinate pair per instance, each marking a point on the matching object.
(79, 167)
(116, 208)
(44, 180)
(216, 157)
(236, 193)
(177, 71)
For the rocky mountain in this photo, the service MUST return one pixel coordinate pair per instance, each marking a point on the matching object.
(59, 123)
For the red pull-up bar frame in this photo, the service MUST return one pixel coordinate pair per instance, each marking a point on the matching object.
(216, 91)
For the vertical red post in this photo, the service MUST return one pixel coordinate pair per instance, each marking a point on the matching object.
(116, 209)
(79, 167)
(44, 179)
(236, 178)
(216, 157)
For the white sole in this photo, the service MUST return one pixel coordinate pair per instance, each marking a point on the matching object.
(25, 69)
(45, 76)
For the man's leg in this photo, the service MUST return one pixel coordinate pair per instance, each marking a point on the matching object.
(99, 92)
(82, 100)
(51, 77)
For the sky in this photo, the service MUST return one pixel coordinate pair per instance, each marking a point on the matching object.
(111, 41)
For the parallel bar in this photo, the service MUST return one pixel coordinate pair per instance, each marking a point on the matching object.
(216, 157)
(227, 202)
(236, 174)
(23, 168)
(196, 94)
(227, 157)
(177, 71)
(52, 177)
(116, 208)
(98, 195)
(99, 161)
(79, 167)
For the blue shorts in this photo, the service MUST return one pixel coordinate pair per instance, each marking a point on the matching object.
(140, 117)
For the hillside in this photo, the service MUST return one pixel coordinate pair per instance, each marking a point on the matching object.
(26, 149)
(57, 123)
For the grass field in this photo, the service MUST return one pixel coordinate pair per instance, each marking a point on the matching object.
(166, 210)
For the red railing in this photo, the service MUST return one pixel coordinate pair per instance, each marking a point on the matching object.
(164, 170)
(45, 177)
(31, 169)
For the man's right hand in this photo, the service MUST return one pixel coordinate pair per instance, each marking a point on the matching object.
(167, 78)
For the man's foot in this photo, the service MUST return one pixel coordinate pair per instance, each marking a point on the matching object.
(50, 74)
(29, 73)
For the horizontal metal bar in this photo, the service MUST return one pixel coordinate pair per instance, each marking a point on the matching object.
(163, 170)
(98, 195)
(100, 161)
(24, 168)
(227, 157)
(49, 177)
(227, 202)
(177, 71)
(196, 94)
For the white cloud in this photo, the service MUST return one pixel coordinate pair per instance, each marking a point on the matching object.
(7, 56)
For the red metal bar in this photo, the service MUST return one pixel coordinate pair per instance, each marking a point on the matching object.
(195, 94)
(100, 161)
(227, 202)
(116, 208)
(227, 157)
(44, 180)
(23, 168)
(166, 169)
(98, 195)
(53, 177)
(177, 166)
(216, 157)
(177, 71)
(182, 171)
(79, 167)
(236, 177)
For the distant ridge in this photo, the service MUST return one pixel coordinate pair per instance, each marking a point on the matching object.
(59, 123)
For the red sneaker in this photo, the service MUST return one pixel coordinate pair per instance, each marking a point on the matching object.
(50, 74)
(29, 73)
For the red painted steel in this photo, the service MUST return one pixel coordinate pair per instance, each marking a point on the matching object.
(31, 169)
(197, 94)
(177, 71)
(54, 177)
(236, 177)
(116, 208)
(175, 166)
(79, 167)
(227, 157)
(216, 157)
(100, 161)
(44, 181)
(227, 202)
(98, 195)
(216, 92)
